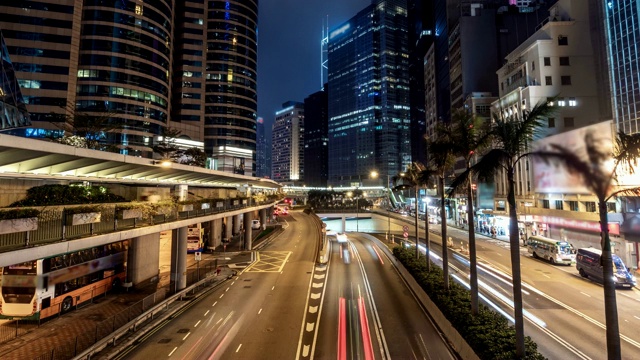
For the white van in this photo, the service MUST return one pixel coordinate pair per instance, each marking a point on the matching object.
(255, 224)
(588, 265)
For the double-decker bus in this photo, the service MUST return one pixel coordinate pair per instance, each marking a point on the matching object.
(45, 287)
(194, 238)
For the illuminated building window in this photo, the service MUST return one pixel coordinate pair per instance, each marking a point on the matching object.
(139, 10)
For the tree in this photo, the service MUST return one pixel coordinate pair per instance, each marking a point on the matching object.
(441, 160)
(467, 137)
(85, 129)
(602, 180)
(510, 138)
(192, 156)
(412, 177)
(167, 146)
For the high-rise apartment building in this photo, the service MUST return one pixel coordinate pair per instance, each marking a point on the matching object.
(189, 65)
(287, 144)
(316, 140)
(368, 85)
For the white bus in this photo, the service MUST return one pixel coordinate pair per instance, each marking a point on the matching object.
(194, 238)
(557, 252)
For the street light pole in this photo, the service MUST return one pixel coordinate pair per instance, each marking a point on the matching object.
(389, 206)
(357, 213)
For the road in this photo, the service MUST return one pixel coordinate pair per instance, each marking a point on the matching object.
(564, 312)
(285, 306)
(369, 312)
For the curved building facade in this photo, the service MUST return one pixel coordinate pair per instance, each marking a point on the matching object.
(231, 85)
(123, 68)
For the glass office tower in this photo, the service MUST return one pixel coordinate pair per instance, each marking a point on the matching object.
(231, 85)
(623, 35)
(368, 89)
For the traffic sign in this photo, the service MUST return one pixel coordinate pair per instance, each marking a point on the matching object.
(198, 256)
(405, 234)
(405, 228)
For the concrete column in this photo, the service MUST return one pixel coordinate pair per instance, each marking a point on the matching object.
(247, 230)
(215, 238)
(228, 228)
(237, 220)
(143, 259)
(179, 259)
(344, 224)
(263, 218)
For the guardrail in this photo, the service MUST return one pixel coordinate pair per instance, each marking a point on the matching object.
(133, 325)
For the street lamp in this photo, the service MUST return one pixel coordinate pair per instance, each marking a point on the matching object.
(374, 174)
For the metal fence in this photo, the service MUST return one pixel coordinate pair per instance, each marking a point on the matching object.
(78, 344)
(53, 227)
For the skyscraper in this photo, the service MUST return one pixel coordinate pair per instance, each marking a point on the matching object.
(287, 144)
(316, 141)
(189, 65)
(368, 86)
(263, 150)
(231, 84)
(623, 34)
(13, 112)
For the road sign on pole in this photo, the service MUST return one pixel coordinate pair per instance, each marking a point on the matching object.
(405, 228)
(405, 234)
(198, 256)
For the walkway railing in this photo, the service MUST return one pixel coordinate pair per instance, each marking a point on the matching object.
(54, 223)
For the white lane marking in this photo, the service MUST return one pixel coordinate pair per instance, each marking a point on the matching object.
(259, 311)
(273, 287)
(310, 327)
(315, 296)
(636, 317)
(186, 336)
(585, 294)
(313, 309)
(172, 351)
(305, 351)
(239, 346)
(214, 304)
(205, 314)
(233, 283)
(316, 285)
(319, 276)
(226, 290)
(221, 296)
(198, 323)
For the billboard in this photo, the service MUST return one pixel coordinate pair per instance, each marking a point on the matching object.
(553, 176)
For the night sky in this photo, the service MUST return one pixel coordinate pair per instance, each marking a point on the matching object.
(289, 35)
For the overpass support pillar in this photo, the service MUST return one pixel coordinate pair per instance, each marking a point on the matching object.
(215, 237)
(143, 259)
(237, 221)
(263, 218)
(248, 230)
(344, 224)
(179, 259)
(228, 228)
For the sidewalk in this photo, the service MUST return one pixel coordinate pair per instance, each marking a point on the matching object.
(61, 337)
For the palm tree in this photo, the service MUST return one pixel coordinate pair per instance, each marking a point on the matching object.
(468, 137)
(510, 137)
(418, 175)
(441, 160)
(602, 180)
(410, 180)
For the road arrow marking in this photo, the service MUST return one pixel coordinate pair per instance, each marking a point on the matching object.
(313, 309)
(315, 296)
(310, 327)
(305, 351)
(319, 276)
(317, 285)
